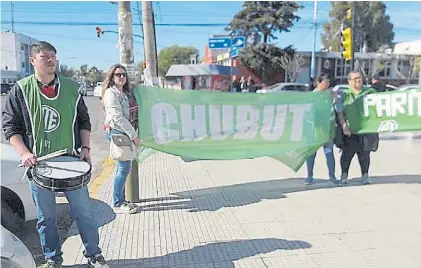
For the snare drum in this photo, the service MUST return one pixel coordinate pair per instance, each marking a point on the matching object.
(62, 173)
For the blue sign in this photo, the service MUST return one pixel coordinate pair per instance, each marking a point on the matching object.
(239, 41)
(225, 42)
(219, 43)
(234, 52)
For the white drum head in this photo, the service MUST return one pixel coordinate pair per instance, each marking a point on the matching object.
(62, 167)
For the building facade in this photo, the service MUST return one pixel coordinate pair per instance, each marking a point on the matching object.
(392, 68)
(15, 52)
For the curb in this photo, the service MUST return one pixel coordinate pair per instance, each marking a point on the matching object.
(105, 172)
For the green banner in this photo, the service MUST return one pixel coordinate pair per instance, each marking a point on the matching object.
(288, 126)
(394, 111)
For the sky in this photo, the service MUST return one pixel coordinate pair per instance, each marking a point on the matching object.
(79, 45)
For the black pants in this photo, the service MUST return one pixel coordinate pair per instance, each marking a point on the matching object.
(363, 159)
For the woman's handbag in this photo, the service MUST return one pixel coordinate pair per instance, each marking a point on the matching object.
(122, 148)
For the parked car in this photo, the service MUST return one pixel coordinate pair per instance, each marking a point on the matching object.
(83, 90)
(281, 87)
(98, 90)
(408, 87)
(342, 87)
(17, 205)
(5, 88)
(14, 254)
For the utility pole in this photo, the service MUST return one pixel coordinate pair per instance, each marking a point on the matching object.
(150, 40)
(140, 24)
(353, 30)
(125, 40)
(313, 51)
(12, 15)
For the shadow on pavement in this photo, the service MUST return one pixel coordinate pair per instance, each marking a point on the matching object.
(103, 214)
(214, 198)
(220, 254)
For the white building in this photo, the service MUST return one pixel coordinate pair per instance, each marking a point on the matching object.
(15, 52)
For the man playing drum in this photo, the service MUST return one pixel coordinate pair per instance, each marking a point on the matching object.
(45, 113)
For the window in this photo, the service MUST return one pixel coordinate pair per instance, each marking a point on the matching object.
(10, 80)
(403, 67)
(342, 68)
(289, 88)
(23, 64)
(6, 68)
(301, 88)
(386, 70)
(4, 81)
(22, 47)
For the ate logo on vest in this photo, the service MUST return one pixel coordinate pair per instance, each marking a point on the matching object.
(51, 118)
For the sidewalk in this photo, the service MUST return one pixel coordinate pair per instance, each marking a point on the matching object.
(258, 213)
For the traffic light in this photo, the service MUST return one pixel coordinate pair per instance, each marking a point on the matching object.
(346, 44)
(98, 32)
(348, 14)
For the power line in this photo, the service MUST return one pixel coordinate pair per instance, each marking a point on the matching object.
(84, 23)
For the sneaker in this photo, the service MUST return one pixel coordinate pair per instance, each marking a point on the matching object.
(97, 261)
(309, 181)
(334, 180)
(344, 178)
(51, 264)
(365, 179)
(126, 207)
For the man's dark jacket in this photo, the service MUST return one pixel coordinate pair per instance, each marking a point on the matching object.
(379, 87)
(16, 118)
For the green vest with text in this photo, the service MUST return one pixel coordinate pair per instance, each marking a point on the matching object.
(52, 119)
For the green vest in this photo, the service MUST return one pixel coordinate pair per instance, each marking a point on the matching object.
(52, 119)
(353, 106)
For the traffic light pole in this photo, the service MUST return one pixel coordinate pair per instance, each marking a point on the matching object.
(353, 35)
(125, 30)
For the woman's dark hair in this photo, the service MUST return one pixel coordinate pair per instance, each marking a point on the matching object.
(322, 77)
(109, 81)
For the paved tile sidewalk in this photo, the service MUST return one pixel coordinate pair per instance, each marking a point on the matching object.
(258, 213)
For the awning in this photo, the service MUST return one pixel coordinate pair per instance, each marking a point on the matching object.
(200, 70)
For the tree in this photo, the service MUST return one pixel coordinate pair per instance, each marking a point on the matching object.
(265, 18)
(264, 59)
(174, 55)
(94, 75)
(372, 25)
(66, 71)
(292, 64)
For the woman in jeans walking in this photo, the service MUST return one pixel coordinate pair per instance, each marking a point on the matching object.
(322, 84)
(115, 97)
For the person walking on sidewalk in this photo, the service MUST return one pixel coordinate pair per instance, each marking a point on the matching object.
(322, 84)
(24, 126)
(360, 144)
(116, 93)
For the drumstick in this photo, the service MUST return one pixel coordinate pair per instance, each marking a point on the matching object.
(48, 156)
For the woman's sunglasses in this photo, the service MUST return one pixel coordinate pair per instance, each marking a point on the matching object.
(120, 75)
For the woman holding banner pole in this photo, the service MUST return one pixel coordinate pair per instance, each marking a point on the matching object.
(322, 84)
(116, 103)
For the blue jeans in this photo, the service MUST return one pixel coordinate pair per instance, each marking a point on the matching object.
(79, 199)
(330, 161)
(123, 171)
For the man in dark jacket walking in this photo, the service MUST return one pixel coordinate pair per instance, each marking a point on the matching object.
(378, 85)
